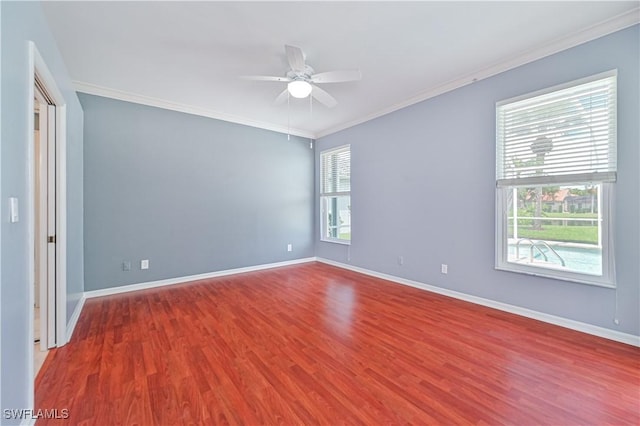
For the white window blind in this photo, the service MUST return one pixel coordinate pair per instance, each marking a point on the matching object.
(335, 172)
(562, 136)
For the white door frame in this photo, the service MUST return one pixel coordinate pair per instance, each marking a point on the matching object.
(44, 219)
(37, 67)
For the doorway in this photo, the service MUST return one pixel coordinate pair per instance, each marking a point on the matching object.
(50, 214)
(44, 214)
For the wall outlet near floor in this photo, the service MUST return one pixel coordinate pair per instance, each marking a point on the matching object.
(144, 264)
(289, 247)
(400, 260)
(444, 268)
(126, 265)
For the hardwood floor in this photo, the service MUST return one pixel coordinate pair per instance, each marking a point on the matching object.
(314, 344)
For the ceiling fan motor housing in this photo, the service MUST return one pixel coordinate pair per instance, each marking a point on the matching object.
(301, 75)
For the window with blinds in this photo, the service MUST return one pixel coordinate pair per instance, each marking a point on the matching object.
(555, 170)
(335, 194)
(564, 135)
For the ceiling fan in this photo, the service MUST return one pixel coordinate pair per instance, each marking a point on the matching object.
(302, 81)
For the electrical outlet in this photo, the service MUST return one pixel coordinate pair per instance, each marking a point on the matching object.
(289, 247)
(144, 264)
(400, 260)
(126, 265)
(444, 268)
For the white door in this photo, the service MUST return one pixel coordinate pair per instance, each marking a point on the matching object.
(45, 220)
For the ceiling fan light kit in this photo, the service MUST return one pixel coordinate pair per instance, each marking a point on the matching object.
(299, 89)
(302, 80)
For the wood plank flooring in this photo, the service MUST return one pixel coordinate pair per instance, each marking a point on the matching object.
(314, 344)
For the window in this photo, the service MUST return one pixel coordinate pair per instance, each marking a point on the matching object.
(335, 195)
(555, 172)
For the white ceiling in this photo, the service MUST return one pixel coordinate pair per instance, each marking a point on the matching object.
(188, 55)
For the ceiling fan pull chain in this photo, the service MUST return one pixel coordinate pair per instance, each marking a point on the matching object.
(288, 117)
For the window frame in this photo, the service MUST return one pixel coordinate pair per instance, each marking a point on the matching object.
(606, 198)
(502, 263)
(329, 195)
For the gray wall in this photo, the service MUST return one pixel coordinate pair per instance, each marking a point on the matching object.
(191, 194)
(423, 187)
(23, 21)
(1, 198)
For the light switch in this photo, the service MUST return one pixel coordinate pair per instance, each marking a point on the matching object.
(14, 215)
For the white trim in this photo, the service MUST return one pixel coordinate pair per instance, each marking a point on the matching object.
(93, 89)
(189, 278)
(559, 87)
(502, 263)
(328, 195)
(61, 225)
(37, 66)
(335, 241)
(28, 421)
(593, 32)
(51, 224)
(40, 218)
(46, 78)
(552, 180)
(30, 216)
(528, 313)
(606, 333)
(74, 319)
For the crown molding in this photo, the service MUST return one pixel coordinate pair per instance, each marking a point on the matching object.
(106, 92)
(620, 22)
(609, 26)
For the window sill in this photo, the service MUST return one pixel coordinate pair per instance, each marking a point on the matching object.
(567, 276)
(343, 242)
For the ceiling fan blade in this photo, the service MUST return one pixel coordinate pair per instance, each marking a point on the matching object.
(264, 78)
(323, 97)
(295, 58)
(282, 97)
(336, 76)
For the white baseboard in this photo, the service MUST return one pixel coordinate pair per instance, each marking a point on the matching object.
(606, 333)
(71, 326)
(180, 280)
